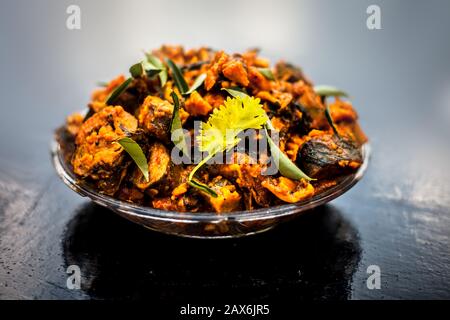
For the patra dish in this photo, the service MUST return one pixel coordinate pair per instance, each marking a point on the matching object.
(195, 131)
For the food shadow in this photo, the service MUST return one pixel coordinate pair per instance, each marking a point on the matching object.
(312, 257)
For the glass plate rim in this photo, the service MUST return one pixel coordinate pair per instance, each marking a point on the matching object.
(244, 215)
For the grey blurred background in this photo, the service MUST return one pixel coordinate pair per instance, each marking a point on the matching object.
(398, 78)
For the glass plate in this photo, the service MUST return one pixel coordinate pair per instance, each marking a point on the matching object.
(205, 224)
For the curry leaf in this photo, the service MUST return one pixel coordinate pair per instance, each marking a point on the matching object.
(150, 69)
(154, 60)
(267, 72)
(330, 120)
(137, 70)
(116, 93)
(329, 91)
(178, 77)
(197, 83)
(286, 167)
(176, 128)
(136, 153)
(153, 72)
(236, 92)
(102, 84)
(163, 77)
(157, 65)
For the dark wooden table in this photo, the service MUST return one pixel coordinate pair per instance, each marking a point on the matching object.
(397, 217)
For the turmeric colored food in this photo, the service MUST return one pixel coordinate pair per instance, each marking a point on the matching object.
(312, 135)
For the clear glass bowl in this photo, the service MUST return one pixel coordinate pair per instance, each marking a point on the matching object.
(205, 224)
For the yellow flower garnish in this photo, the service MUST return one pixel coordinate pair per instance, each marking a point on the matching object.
(225, 123)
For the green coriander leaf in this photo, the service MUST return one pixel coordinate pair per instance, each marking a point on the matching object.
(220, 132)
(227, 121)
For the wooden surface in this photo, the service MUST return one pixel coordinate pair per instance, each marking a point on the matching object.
(397, 217)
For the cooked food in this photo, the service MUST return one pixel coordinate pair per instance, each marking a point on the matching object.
(179, 133)
(328, 156)
(96, 156)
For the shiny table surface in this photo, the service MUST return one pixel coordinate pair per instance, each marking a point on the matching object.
(397, 217)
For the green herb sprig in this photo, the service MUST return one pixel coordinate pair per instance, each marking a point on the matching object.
(176, 128)
(118, 91)
(220, 132)
(286, 167)
(329, 91)
(267, 72)
(236, 92)
(181, 83)
(151, 66)
(158, 68)
(136, 153)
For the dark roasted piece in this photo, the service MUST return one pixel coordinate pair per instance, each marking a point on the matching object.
(329, 156)
(158, 162)
(155, 116)
(228, 198)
